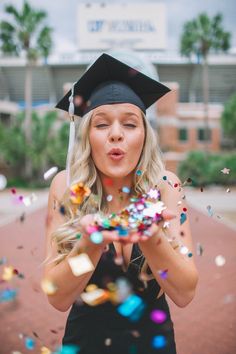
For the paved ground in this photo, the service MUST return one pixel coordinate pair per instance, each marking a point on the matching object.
(206, 326)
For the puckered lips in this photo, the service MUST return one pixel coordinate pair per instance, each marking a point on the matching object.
(116, 154)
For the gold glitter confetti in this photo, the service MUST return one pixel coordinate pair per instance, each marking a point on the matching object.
(78, 193)
(48, 287)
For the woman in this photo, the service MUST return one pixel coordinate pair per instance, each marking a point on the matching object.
(118, 305)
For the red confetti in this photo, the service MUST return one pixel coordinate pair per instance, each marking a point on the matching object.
(184, 209)
(13, 190)
(176, 185)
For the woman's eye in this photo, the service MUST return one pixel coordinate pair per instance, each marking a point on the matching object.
(130, 125)
(101, 125)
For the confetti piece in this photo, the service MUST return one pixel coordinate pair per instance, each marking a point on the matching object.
(199, 249)
(3, 182)
(183, 218)
(228, 190)
(183, 250)
(225, 171)
(78, 193)
(153, 209)
(29, 343)
(126, 189)
(158, 316)
(154, 193)
(68, 349)
(96, 237)
(95, 297)
(45, 350)
(50, 173)
(220, 260)
(8, 273)
(210, 210)
(107, 342)
(80, 264)
(109, 198)
(3, 260)
(190, 254)
(48, 287)
(163, 273)
(159, 342)
(29, 200)
(7, 295)
(138, 172)
(132, 307)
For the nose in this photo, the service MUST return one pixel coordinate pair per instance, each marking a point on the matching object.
(116, 133)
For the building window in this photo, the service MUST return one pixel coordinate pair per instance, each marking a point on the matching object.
(183, 134)
(202, 133)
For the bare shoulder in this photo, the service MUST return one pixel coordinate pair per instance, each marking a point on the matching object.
(168, 176)
(58, 185)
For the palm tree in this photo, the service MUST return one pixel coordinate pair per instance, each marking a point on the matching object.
(28, 35)
(200, 36)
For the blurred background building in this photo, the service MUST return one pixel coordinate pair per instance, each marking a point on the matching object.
(146, 35)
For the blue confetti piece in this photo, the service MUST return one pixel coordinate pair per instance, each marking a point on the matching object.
(126, 190)
(183, 218)
(159, 342)
(96, 237)
(7, 295)
(131, 304)
(68, 349)
(29, 343)
(122, 231)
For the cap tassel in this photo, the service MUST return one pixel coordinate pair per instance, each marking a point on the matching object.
(71, 136)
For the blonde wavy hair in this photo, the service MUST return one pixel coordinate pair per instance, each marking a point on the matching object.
(83, 170)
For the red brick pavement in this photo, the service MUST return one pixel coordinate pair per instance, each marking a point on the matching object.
(206, 326)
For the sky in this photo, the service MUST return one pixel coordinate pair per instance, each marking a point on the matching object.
(62, 16)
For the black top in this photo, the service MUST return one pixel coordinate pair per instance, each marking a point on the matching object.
(102, 330)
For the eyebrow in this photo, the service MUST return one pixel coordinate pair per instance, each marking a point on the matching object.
(125, 113)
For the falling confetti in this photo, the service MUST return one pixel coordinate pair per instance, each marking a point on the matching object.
(163, 273)
(138, 172)
(158, 316)
(183, 250)
(199, 250)
(95, 297)
(3, 182)
(132, 307)
(154, 193)
(108, 342)
(96, 237)
(80, 264)
(45, 350)
(50, 173)
(126, 189)
(183, 218)
(8, 295)
(210, 210)
(29, 343)
(227, 190)
(109, 198)
(225, 171)
(220, 260)
(78, 193)
(48, 287)
(159, 342)
(8, 273)
(68, 349)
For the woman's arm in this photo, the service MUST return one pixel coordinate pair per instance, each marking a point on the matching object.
(68, 285)
(182, 276)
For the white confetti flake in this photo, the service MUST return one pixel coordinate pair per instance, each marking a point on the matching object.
(154, 209)
(153, 193)
(50, 173)
(3, 182)
(225, 171)
(109, 198)
(48, 287)
(220, 260)
(183, 250)
(80, 264)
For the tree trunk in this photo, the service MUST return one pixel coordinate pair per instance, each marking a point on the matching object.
(206, 102)
(28, 118)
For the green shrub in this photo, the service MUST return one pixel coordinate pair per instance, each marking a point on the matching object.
(206, 169)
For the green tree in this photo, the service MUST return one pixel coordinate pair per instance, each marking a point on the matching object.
(26, 34)
(228, 119)
(201, 36)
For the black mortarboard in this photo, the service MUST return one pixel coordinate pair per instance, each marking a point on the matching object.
(108, 81)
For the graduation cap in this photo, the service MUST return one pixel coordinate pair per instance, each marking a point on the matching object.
(108, 81)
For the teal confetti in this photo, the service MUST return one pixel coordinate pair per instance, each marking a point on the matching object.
(138, 172)
(130, 305)
(68, 349)
(183, 218)
(29, 343)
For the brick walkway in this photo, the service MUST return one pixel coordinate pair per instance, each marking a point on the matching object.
(206, 326)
